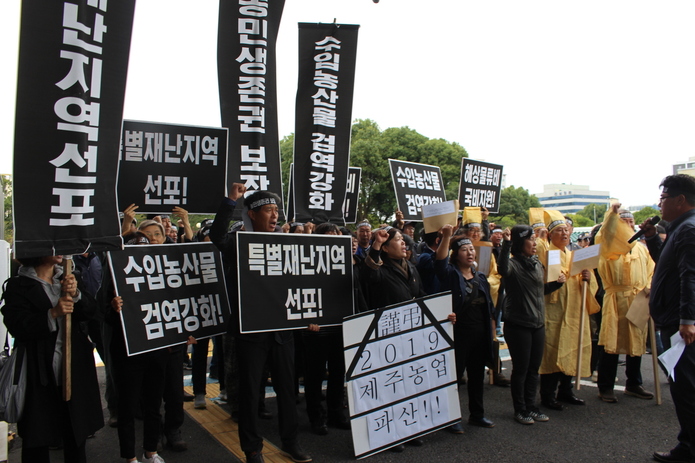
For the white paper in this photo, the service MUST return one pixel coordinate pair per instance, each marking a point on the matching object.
(670, 358)
(432, 210)
(554, 258)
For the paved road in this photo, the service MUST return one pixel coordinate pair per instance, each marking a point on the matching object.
(628, 431)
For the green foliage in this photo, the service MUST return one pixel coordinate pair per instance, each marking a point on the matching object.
(371, 148)
(514, 206)
(593, 212)
(581, 221)
(644, 214)
(7, 207)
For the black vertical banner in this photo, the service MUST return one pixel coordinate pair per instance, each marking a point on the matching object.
(73, 61)
(290, 198)
(246, 69)
(323, 120)
(352, 195)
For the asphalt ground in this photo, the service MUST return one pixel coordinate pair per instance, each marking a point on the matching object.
(629, 431)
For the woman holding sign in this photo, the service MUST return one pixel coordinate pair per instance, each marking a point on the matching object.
(472, 315)
(524, 317)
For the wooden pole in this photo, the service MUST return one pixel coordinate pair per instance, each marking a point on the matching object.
(655, 361)
(67, 340)
(582, 320)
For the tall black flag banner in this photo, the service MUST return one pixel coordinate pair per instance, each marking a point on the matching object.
(352, 195)
(323, 120)
(167, 165)
(481, 184)
(246, 66)
(416, 185)
(73, 61)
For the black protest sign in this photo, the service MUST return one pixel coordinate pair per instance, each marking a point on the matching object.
(288, 281)
(480, 186)
(246, 70)
(416, 185)
(323, 120)
(167, 165)
(352, 195)
(73, 60)
(401, 373)
(170, 292)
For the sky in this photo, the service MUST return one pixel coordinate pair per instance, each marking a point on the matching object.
(598, 93)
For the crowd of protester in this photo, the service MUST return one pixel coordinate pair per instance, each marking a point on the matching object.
(506, 297)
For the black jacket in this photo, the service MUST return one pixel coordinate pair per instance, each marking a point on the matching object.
(672, 299)
(26, 317)
(387, 284)
(524, 283)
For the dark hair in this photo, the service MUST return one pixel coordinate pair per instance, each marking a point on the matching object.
(520, 233)
(295, 225)
(680, 184)
(392, 234)
(261, 194)
(455, 245)
(326, 228)
(345, 231)
(430, 238)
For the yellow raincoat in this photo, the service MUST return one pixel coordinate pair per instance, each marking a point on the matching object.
(562, 318)
(625, 269)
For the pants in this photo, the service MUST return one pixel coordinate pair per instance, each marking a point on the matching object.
(526, 348)
(608, 367)
(253, 351)
(549, 384)
(139, 377)
(173, 391)
(72, 451)
(683, 394)
(470, 347)
(322, 349)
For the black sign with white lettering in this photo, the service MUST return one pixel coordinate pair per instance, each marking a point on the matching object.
(73, 60)
(416, 185)
(289, 281)
(166, 165)
(246, 65)
(352, 195)
(170, 292)
(480, 186)
(323, 120)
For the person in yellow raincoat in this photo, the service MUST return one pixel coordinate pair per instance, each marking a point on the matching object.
(562, 318)
(626, 269)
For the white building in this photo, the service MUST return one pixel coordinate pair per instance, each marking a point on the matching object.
(570, 199)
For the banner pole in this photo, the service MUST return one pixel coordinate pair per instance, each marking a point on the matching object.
(67, 340)
(582, 319)
(655, 361)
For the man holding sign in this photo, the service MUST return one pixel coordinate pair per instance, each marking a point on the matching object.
(625, 269)
(253, 350)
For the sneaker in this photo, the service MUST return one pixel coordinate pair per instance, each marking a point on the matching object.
(155, 458)
(523, 418)
(538, 415)
(639, 392)
(594, 377)
(254, 457)
(199, 402)
(608, 396)
(175, 442)
(113, 420)
(223, 395)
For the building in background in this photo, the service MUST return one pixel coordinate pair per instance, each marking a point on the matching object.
(685, 168)
(569, 199)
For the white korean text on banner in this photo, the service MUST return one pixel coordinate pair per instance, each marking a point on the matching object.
(352, 194)
(167, 165)
(480, 186)
(416, 185)
(73, 61)
(400, 373)
(288, 281)
(170, 292)
(323, 120)
(246, 70)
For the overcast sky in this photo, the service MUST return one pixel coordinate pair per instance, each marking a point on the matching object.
(598, 93)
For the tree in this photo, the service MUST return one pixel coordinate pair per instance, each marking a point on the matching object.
(371, 148)
(594, 212)
(514, 206)
(6, 181)
(644, 214)
(581, 221)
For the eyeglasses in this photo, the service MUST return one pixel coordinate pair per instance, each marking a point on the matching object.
(661, 198)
